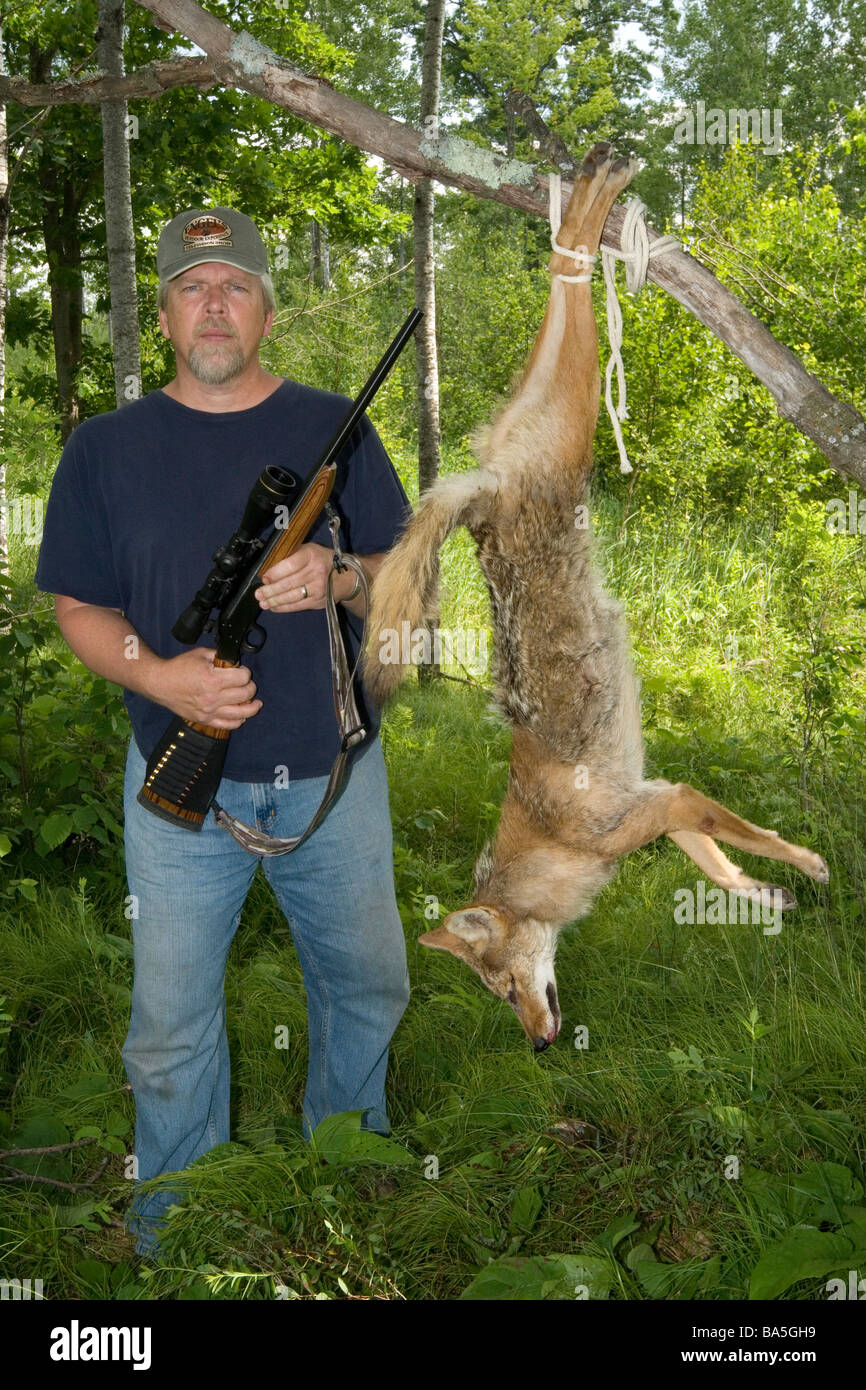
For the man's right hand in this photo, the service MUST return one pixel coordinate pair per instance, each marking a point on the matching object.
(201, 693)
(189, 685)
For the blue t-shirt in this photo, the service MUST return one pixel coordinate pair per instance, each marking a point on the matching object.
(142, 498)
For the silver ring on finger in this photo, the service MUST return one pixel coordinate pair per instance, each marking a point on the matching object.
(304, 591)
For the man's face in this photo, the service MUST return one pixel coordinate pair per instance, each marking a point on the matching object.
(215, 317)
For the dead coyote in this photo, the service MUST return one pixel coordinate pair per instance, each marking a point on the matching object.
(576, 797)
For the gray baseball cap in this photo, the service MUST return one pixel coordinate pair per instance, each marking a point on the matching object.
(210, 234)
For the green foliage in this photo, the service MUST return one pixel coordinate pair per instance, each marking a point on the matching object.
(339, 1139)
(490, 305)
(62, 737)
(703, 435)
(562, 56)
(790, 252)
(542, 49)
(828, 1234)
(803, 58)
(541, 1277)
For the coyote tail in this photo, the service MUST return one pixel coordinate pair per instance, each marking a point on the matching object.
(406, 588)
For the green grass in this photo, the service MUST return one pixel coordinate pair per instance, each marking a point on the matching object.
(704, 1042)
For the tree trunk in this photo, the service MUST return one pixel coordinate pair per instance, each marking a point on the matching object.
(4, 249)
(119, 235)
(425, 336)
(63, 249)
(320, 260)
(60, 207)
(425, 270)
(400, 248)
(315, 252)
(426, 358)
(325, 247)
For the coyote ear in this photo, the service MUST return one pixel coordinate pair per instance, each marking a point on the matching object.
(439, 939)
(472, 926)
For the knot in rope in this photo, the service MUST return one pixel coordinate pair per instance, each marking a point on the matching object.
(581, 254)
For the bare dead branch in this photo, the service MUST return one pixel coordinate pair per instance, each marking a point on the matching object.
(18, 1176)
(46, 1149)
(548, 144)
(148, 82)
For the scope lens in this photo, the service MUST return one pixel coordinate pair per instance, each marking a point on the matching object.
(271, 487)
(277, 480)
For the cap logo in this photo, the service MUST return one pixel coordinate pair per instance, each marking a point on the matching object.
(206, 231)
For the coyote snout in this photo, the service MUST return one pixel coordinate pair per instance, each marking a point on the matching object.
(563, 672)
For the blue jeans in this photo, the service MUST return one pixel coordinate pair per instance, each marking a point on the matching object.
(337, 893)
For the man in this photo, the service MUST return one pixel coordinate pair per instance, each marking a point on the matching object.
(141, 498)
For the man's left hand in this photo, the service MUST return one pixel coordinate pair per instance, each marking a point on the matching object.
(308, 569)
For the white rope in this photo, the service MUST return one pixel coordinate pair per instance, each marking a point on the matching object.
(636, 250)
(580, 255)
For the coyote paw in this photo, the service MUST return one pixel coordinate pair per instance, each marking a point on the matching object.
(770, 895)
(816, 868)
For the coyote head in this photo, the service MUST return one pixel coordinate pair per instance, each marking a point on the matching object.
(514, 959)
(508, 934)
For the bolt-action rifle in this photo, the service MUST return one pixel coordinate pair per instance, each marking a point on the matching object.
(184, 770)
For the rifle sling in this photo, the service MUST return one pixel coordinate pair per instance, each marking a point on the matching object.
(352, 731)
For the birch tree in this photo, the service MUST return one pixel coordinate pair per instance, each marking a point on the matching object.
(425, 276)
(426, 358)
(119, 235)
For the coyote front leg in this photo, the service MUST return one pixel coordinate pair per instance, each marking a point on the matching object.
(721, 870)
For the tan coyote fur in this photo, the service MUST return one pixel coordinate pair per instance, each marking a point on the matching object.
(577, 798)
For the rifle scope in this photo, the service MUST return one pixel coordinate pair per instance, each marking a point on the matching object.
(271, 488)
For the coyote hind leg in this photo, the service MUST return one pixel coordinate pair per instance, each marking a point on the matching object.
(719, 869)
(662, 808)
(552, 415)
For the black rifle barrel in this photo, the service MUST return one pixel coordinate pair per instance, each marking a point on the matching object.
(368, 391)
(242, 609)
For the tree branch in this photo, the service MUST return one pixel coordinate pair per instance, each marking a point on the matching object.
(38, 120)
(18, 1176)
(46, 1148)
(548, 144)
(149, 82)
